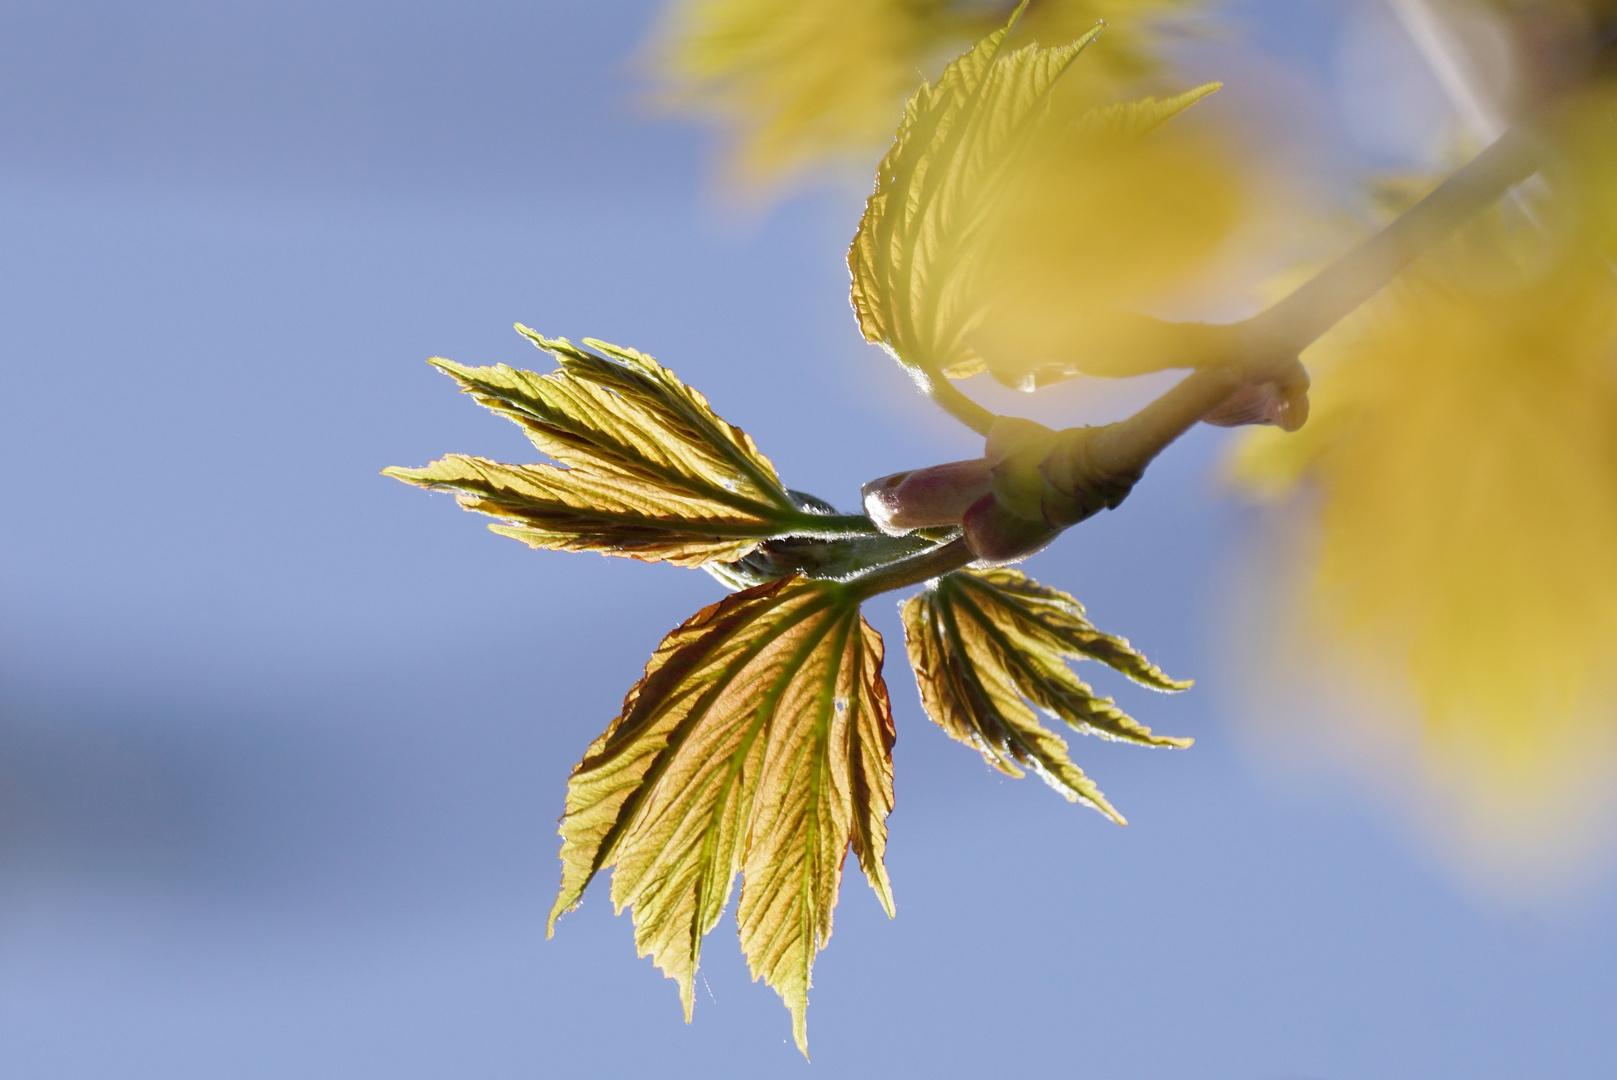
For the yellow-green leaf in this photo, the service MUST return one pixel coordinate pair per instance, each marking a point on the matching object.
(918, 251)
(758, 741)
(797, 82)
(1132, 119)
(1109, 217)
(982, 641)
(646, 469)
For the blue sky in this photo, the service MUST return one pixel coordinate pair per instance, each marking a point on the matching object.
(282, 742)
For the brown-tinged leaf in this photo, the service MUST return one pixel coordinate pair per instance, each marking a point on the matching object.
(920, 244)
(646, 469)
(759, 740)
(982, 641)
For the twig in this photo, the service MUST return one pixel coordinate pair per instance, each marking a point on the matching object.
(1337, 291)
(912, 571)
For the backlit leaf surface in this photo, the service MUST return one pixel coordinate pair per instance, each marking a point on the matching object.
(758, 741)
(646, 469)
(984, 643)
(1014, 229)
(1113, 215)
(918, 251)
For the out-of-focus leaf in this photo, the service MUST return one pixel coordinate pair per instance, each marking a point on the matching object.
(1462, 476)
(647, 469)
(982, 641)
(801, 84)
(797, 83)
(918, 254)
(1584, 178)
(1133, 119)
(758, 741)
(1004, 227)
(1112, 218)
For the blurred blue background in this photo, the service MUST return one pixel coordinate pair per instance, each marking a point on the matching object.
(282, 742)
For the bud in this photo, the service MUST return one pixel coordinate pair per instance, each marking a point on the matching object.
(1015, 451)
(923, 498)
(1048, 476)
(997, 536)
(1286, 407)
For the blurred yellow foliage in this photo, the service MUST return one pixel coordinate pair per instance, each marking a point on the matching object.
(1462, 456)
(1586, 174)
(1113, 216)
(801, 84)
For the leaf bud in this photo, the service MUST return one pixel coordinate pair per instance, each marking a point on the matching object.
(1014, 452)
(1049, 476)
(922, 498)
(1284, 406)
(997, 536)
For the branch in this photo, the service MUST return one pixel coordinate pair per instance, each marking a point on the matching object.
(900, 575)
(1039, 482)
(1295, 322)
(1337, 291)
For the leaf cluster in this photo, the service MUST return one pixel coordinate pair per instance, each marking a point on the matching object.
(985, 643)
(759, 741)
(758, 744)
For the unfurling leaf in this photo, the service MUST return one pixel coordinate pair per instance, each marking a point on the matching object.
(982, 641)
(939, 191)
(1011, 230)
(648, 471)
(1114, 217)
(758, 741)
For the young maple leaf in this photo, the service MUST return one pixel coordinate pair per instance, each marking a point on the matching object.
(982, 641)
(760, 742)
(1112, 216)
(917, 256)
(1009, 231)
(647, 470)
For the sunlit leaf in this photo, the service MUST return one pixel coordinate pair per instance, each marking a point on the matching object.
(1113, 216)
(796, 82)
(996, 211)
(984, 643)
(1584, 176)
(1132, 119)
(646, 469)
(917, 255)
(758, 741)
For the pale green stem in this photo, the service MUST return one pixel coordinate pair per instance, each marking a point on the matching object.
(941, 389)
(1337, 291)
(829, 526)
(912, 571)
